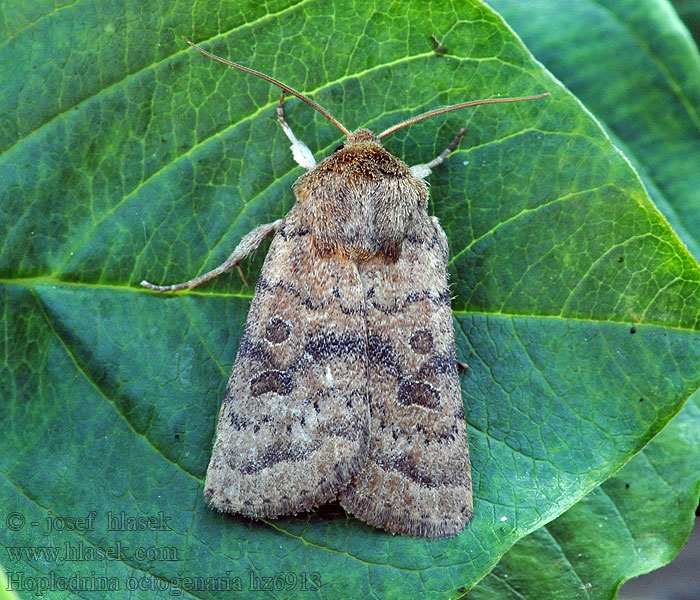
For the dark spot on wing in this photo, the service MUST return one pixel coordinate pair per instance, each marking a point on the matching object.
(271, 381)
(418, 392)
(281, 450)
(421, 341)
(277, 331)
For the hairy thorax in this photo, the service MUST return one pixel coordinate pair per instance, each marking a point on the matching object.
(360, 201)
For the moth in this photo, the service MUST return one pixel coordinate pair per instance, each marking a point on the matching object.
(346, 384)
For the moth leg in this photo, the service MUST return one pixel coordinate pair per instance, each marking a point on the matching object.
(422, 171)
(247, 245)
(300, 151)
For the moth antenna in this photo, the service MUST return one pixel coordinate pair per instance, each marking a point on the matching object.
(445, 109)
(274, 81)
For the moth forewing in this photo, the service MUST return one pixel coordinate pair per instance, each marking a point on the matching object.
(416, 480)
(293, 426)
(345, 384)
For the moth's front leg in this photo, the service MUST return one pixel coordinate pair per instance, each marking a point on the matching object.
(423, 170)
(300, 151)
(246, 246)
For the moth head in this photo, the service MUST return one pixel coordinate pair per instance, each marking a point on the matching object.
(359, 144)
(362, 155)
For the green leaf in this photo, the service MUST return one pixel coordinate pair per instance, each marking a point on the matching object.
(640, 76)
(635, 521)
(127, 156)
(5, 591)
(689, 11)
(639, 519)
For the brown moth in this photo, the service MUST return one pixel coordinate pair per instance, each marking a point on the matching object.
(345, 385)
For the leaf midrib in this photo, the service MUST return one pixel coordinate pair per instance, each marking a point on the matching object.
(33, 282)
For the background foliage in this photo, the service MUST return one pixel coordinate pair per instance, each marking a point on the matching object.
(126, 156)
